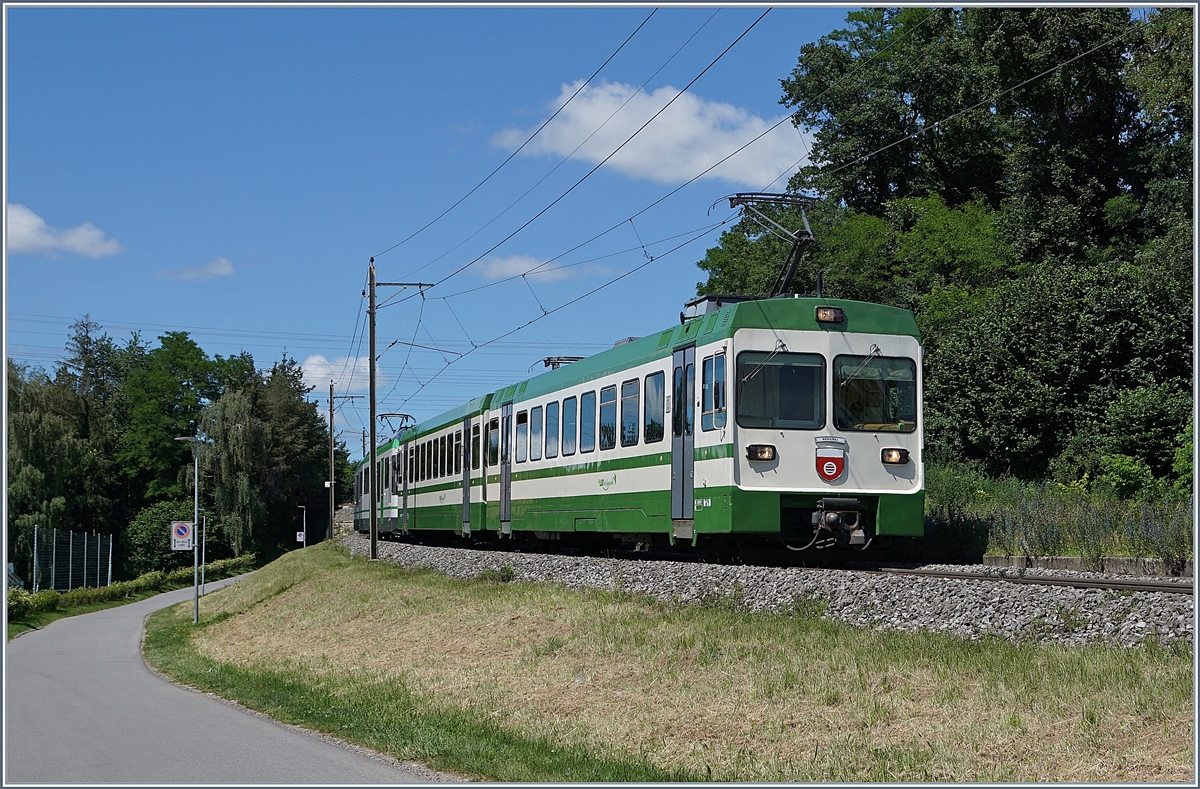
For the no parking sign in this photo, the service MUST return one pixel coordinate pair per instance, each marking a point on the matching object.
(183, 538)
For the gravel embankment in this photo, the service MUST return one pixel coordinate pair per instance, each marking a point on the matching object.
(962, 607)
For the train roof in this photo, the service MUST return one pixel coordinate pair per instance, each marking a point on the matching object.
(797, 313)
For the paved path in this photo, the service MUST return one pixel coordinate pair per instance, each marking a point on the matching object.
(82, 707)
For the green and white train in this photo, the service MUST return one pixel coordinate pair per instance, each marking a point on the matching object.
(784, 420)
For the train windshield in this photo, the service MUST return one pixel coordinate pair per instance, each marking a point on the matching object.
(781, 390)
(875, 393)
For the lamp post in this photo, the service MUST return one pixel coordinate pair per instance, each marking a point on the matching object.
(195, 442)
(304, 521)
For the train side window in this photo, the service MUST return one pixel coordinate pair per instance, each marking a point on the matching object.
(412, 477)
(522, 435)
(677, 401)
(689, 412)
(552, 430)
(493, 442)
(608, 417)
(712, 409)
(535, 433)
(506, 440)
(424, 460)
(447, 448)
(386, 476)
(720, 413)
(475, 448)
(629, 412)
(568, 428)
(457, 451)
(587, 421)
(655, 407)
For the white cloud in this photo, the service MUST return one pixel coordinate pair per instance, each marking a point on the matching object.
(220, 267)
(28, 234)
(515, 265)
(349, 374)
(689, 137)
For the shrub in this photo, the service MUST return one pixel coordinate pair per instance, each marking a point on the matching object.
(146, 541)
(18, 602)
(45, 600)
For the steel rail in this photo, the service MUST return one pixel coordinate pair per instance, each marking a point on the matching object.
(1174, 587)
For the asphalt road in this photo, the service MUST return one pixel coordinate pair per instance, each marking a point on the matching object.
(82, 707)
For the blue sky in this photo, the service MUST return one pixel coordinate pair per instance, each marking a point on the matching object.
(230, 171)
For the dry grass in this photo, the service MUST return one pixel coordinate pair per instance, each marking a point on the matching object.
(716, 690)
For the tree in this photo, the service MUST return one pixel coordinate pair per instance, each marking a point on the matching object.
(166, 395)
(875, 91)
(233, 463)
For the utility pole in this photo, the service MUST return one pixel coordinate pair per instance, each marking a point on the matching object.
(369, 452)
(372, 477)
(332, 477)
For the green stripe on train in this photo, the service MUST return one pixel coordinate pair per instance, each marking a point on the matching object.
(718, 510)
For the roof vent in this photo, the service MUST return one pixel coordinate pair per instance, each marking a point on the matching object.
(622, 342)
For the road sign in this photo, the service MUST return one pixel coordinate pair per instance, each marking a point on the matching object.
(183, 537)
(299, 536)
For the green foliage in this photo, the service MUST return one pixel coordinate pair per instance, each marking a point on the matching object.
(1125, 476)
(1048, 359)
(1183, 467)
(154, 581)
(92, 448)
(45, 600)
(18, 602)
(1086, 518)
(503, 575)
(166, 393)
(145, 544)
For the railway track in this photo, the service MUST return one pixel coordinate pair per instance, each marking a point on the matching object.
(1172, 587)
(777, 558)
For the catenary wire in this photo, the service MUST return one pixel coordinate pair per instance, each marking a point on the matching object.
(572, 188)
(569, 156)
(527, 141)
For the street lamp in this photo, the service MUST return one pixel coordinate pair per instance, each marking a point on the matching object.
(304, 521)
(195, 442)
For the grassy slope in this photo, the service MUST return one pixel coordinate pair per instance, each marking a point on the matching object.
(525, 682)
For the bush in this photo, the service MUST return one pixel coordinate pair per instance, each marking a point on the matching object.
(18, 602)
(146, 541)
(45, 600)
(155, 580)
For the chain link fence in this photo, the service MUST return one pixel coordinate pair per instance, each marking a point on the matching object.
(66, 560)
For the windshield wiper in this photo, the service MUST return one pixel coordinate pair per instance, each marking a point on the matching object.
(779, 346)
(870, 355)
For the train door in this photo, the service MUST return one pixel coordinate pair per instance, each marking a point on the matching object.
(506, 418)
(405, 459)
(466, 476)
(683, 396)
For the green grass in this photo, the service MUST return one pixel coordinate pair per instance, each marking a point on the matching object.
(517, 681)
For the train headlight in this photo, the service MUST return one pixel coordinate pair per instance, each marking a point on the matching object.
(895, 457)
(830, 315)
(760, 452)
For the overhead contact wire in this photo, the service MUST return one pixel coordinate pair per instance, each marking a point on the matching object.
(527, 141)
(556, 200)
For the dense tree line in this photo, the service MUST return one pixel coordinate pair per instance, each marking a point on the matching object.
(92, 448)
(1043, 236)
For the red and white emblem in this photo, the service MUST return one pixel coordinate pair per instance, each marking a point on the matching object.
(831, 462)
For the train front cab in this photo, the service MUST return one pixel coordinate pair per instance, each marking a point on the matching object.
(823, 425)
